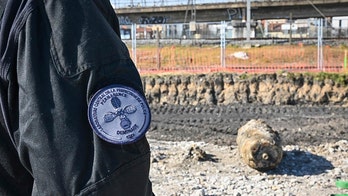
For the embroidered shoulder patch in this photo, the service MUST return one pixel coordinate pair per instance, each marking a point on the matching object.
(119, 114)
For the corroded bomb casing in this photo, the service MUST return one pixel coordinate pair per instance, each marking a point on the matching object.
(259, 145)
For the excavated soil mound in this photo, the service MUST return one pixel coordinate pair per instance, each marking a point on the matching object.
(304, 109)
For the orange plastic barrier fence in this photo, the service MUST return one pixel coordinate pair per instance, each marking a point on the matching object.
(294, 58)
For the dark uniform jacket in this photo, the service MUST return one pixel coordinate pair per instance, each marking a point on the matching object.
(55, 55)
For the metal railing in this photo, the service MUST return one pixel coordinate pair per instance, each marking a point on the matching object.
(157, 3)
(301, 29)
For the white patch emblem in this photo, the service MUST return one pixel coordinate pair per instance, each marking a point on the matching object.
(119, 114)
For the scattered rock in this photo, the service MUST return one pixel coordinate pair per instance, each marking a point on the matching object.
(240, 55)
(311, 170)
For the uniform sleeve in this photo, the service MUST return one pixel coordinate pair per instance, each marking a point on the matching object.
(109, 14)
(67, 51)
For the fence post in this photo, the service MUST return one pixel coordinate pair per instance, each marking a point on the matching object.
(320, 44)
(223, 43)
(134, 42)
(248, 23)
(345, 60)
(158, 49)
(290, 33)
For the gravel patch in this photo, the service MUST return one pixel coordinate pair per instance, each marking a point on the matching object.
(313, 170)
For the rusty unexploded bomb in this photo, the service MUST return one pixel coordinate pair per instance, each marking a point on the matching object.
(259, 145)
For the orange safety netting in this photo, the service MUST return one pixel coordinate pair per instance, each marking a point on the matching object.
(292, 58)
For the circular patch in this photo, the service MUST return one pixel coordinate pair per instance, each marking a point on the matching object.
(119, 114)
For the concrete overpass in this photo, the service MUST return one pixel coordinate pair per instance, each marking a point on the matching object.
(269, 9)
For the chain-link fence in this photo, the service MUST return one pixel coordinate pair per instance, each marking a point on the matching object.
(273, 58)
(214, 46)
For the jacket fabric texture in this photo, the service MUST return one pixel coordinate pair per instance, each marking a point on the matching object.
(55, 54)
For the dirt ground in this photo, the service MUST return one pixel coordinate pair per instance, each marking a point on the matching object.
(314, 140)
(297, 125)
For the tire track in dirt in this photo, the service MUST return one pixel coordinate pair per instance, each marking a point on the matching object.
(306, 125)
